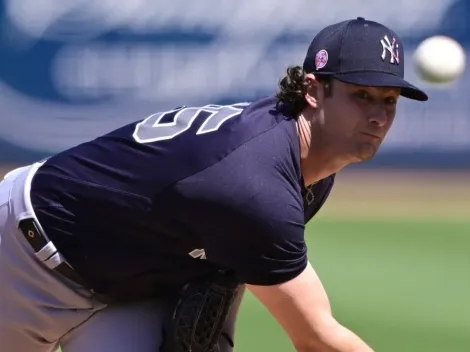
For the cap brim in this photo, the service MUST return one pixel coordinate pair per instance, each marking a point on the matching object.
(380, 79)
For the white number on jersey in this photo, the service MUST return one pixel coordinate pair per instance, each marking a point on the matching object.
(153, 130)
(198, 254)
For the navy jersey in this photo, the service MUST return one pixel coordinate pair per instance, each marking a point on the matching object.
(183, 193)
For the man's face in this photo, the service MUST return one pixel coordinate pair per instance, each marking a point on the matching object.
(357, 118)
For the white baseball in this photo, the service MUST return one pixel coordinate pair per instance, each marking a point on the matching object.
(439, 59)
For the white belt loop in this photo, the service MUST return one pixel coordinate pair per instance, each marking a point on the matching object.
(46, 252)
(54, 261)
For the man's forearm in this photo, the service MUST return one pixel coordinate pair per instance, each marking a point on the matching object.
(344, 340)
(335, 338)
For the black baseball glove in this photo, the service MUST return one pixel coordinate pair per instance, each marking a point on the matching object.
(200, 314)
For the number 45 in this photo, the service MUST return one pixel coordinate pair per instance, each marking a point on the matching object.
(153, 130)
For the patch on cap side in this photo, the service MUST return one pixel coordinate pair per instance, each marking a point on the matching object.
(321, 59)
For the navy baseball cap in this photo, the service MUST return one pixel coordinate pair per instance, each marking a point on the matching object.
(361, 52)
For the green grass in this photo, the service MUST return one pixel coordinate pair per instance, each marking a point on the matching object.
(401, 285)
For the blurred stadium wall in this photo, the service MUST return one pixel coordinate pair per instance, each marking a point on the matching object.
(71, 70)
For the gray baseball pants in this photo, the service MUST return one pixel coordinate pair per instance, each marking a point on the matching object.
(41, 310)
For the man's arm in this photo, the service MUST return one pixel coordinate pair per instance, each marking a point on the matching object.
(302, 307)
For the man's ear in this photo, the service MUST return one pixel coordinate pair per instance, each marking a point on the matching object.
(314, 92)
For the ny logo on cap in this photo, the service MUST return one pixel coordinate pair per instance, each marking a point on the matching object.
(392, 48)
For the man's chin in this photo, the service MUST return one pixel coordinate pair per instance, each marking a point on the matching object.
(366, 152)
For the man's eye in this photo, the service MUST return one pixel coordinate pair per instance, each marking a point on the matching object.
(362, 94)
(391, 101)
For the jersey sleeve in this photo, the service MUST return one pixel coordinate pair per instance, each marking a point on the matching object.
(262, 239)
(247, 211)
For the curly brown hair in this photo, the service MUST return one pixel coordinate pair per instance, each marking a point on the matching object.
(292, 90)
